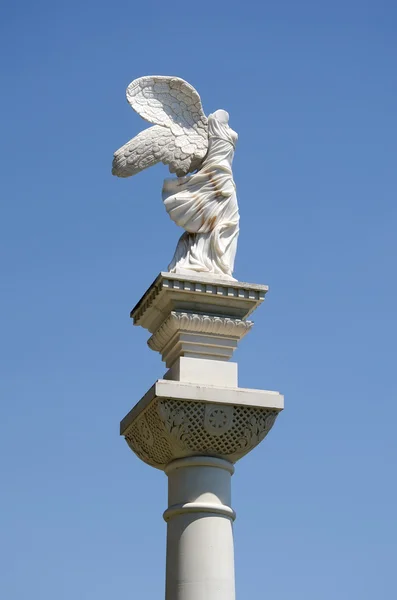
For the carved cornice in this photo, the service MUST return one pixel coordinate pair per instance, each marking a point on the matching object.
(233, 297)
(146, 301)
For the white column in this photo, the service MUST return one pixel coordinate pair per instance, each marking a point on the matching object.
(197, 410)
(200, 553)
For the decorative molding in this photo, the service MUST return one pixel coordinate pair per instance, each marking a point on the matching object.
(175, 422)
(258, 426)
(217, 288)
(218, 418)
(145, 431)
(203, 288)
(198, 323)
(146, 301)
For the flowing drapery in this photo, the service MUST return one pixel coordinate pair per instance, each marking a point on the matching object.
(205, 205)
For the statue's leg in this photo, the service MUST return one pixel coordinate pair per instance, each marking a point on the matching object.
(193, 253)
(181, 253)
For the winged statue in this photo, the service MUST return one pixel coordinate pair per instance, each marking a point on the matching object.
(199, 150)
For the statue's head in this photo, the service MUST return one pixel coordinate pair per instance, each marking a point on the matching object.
(222, 116)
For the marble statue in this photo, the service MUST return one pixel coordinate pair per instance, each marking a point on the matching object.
(199, 150)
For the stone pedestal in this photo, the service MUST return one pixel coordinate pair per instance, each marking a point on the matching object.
(195, 422)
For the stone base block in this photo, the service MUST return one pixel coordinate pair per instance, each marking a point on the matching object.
(206, 372)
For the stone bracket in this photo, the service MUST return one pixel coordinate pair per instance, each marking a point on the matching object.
(176, 419)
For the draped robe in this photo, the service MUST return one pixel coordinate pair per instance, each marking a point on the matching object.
(205, 205)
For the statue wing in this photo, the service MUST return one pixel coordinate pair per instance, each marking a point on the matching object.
(179, 137)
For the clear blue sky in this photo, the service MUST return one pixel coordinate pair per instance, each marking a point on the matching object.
(311, 87)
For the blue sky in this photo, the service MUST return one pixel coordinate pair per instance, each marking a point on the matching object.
(311, 89)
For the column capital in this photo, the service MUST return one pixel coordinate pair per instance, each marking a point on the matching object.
(177, 419)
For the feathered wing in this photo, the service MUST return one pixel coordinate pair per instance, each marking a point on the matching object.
(179, 137)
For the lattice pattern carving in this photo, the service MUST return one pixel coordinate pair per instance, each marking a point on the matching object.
(177, 428)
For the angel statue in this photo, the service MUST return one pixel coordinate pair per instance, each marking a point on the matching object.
(203, 203)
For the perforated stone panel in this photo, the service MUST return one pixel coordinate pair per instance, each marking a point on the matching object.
(170, 429)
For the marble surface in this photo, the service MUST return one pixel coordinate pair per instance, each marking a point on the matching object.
(203, 203)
